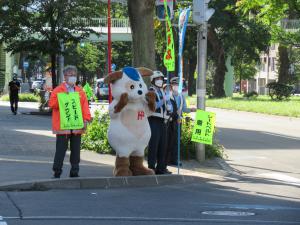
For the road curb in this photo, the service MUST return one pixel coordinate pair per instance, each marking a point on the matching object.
(227, 167)
(100, 183)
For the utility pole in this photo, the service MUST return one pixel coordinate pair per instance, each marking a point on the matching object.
(61, 61)
(201, 14)
(109, 47)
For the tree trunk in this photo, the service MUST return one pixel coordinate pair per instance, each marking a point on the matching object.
(219, 59)
(191, 79)
(141, 21)
(53, 70)
(284, 65)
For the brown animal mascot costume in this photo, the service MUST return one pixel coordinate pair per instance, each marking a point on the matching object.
(129, 130)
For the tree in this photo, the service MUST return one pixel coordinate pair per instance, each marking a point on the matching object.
(232, 34)
(271, 12)
(40, 25)
(141, 14)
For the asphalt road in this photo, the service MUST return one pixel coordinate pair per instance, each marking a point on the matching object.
(263, 153)
(202, 203)
(261, 145)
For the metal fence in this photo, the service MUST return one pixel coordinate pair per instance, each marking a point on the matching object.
(102, 22)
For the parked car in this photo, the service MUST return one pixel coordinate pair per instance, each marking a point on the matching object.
(37, 84)
(101, 90)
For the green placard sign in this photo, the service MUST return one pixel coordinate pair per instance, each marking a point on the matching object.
(204, 127)
(70, 111)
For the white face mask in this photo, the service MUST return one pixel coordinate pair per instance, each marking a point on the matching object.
(175, 88)
(72, 80)
(159, 83)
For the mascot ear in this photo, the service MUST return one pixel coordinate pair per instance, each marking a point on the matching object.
(145, 72)
(112, 77)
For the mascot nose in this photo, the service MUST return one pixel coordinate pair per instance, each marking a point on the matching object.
(140, 92)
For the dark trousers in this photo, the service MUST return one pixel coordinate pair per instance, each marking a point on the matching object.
(157, 144)
(14, 99)
(62, 142)
(171, 146)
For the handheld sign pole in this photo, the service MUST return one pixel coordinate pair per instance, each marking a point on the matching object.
(182, 24)
(169, 56)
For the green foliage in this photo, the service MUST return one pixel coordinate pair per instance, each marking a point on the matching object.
(95, 138)
(261, 104)
(188, 148)
(91, 58)
(28, 18)
(23, 98)
(279, 91)
(252, 94)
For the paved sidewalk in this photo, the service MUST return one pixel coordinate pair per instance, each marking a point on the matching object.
(27, 147)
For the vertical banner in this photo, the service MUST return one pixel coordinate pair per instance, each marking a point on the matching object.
(204, 127)
(70, 111)
(169, 56)
(88, 91)
(182, 24)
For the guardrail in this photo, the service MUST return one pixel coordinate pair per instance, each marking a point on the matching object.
(290, 25)
(102, 22)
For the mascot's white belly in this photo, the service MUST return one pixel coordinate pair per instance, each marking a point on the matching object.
(130, 131)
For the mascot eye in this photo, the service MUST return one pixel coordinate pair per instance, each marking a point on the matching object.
(140, 85)
(132, 87)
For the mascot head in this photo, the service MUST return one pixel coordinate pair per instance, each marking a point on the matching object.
(130, 81)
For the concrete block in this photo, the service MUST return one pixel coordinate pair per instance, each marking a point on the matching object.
(141, 181)
(116, 182)
(170, 179)
(91, 183)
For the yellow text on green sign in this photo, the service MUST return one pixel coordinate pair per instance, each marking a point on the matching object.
(70, 111)
(169, 56)
(204, 127)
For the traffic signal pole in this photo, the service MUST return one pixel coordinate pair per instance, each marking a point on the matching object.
(201, 14)
(201, 79)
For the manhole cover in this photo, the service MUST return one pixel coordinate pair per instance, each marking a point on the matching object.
(228, 213)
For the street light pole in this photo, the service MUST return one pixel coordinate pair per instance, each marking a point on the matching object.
(61, 61)
(201, 79)
(109, 47)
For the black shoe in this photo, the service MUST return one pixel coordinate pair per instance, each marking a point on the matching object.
(15, 113)
(159, 172)
(174, 164)
(166, 171)
(56, 174)
(74, 174)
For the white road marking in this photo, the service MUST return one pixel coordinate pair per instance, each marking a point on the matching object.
(2, 222)
(282, 177)
(228, 213)
(283, 136)
(161, 219)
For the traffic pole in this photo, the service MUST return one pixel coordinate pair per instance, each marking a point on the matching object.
(61, 62)
(109, 48)
(201, 79)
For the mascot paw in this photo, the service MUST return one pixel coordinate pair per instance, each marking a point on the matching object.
(122, 103)
(122, 167)
(150, 96)
(137, 167)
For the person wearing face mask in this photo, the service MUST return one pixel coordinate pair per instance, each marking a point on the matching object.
(63, 137)
(157, 121)
(181, 108)
(14, 87)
